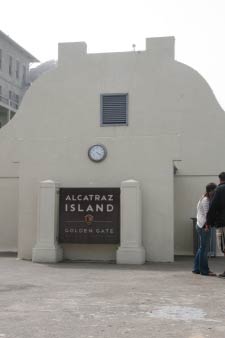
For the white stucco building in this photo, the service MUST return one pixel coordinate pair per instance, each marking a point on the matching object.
(170, 113)
(14, 76)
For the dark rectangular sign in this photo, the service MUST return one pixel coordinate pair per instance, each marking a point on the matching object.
(89, 215)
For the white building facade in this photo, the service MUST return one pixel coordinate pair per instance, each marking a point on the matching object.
(14, 76)
(169, 109)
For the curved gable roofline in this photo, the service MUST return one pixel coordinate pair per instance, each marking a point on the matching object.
(201, 78)
(12, 42)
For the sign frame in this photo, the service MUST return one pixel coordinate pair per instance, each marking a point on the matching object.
(89, 215)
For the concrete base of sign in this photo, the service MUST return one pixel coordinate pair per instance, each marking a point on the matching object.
(131, 250)
(130, 256)
(47, 255)
(47, 249)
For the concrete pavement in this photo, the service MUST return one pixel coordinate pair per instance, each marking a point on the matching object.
(95, 300)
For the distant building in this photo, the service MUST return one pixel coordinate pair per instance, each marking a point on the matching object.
(14, 76)
(41, 69)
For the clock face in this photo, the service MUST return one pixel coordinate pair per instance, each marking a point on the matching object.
(97, 153)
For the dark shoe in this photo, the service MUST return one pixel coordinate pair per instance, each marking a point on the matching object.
(196, 272)
(210, 274)
(222, 275)
(213, 274)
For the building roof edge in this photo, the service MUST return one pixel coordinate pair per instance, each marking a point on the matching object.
(30, 56)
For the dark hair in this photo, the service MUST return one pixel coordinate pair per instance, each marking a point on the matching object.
(222, 176)
(210, 187)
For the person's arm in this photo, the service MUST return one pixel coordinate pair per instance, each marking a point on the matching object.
(205, 205)
(214, 206)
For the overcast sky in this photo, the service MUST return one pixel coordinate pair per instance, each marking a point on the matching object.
(114, 25)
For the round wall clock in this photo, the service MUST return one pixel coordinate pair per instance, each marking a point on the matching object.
(97, 152)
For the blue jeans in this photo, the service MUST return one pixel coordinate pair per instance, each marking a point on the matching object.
(201, 257)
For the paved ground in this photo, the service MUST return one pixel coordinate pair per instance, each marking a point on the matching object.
(93, 300)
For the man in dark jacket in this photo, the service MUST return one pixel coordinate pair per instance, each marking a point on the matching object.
(216, 214)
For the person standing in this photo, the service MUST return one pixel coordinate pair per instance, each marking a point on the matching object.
(216, 214)
(201, 257)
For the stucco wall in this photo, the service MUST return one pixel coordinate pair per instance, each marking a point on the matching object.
(63, 111)
(9, 213)
(9, 190)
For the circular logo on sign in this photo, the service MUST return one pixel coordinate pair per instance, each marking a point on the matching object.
(88, 219)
